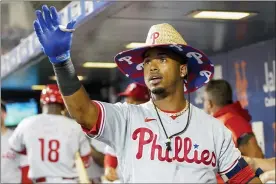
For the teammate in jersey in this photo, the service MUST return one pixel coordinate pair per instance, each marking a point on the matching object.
(165, 140)
(14, 168)
(133, 94)
(51, 141)
(218, 102)
(95, 170)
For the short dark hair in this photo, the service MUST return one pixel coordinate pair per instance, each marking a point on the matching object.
(220, 92)
(3, 106)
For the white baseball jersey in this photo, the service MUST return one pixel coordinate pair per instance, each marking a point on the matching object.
(51, 142)
(136, 135)
(10, 161)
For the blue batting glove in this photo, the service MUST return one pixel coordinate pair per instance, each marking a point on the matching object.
(56, 41)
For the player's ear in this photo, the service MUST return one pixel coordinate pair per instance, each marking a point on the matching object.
(183, 71)
(209, 104)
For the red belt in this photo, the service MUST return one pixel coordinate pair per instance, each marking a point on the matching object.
(43, 179)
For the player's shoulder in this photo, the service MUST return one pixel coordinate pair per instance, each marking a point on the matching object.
(26, 123)
(140, 109)
(118, 106)
(69, 122)
(46, 118)
(124, 108)
(146, 106)
(29, 120)
(236, 120)
(65, 119)
(208, 121)
(66, 124)
(203, 117)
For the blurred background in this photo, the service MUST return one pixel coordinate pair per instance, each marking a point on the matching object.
(241, 45)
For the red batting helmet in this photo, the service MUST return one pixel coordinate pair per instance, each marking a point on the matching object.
(51, 94)
(136, 91)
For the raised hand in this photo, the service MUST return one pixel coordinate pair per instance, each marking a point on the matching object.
(55, 40)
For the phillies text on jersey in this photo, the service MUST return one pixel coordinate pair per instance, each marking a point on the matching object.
(138, 139)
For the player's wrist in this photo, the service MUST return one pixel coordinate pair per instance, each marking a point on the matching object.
(66, 77)
(60, 58)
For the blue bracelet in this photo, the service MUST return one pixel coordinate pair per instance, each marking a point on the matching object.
(61, 58)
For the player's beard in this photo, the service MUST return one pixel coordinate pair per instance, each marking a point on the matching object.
(158, 91)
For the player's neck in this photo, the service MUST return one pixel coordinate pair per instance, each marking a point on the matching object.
(53, 113)
(215, 109)
(174, 101)
(51, 110)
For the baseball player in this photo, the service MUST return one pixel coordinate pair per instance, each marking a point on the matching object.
(133, 94)
(218, 102)
(51, 141)
(95, 170)
(165, 140)
(14, 168)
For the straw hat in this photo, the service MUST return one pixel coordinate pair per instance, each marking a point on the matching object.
(200, 68)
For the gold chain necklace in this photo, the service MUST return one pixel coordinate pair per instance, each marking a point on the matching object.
(175, 115)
